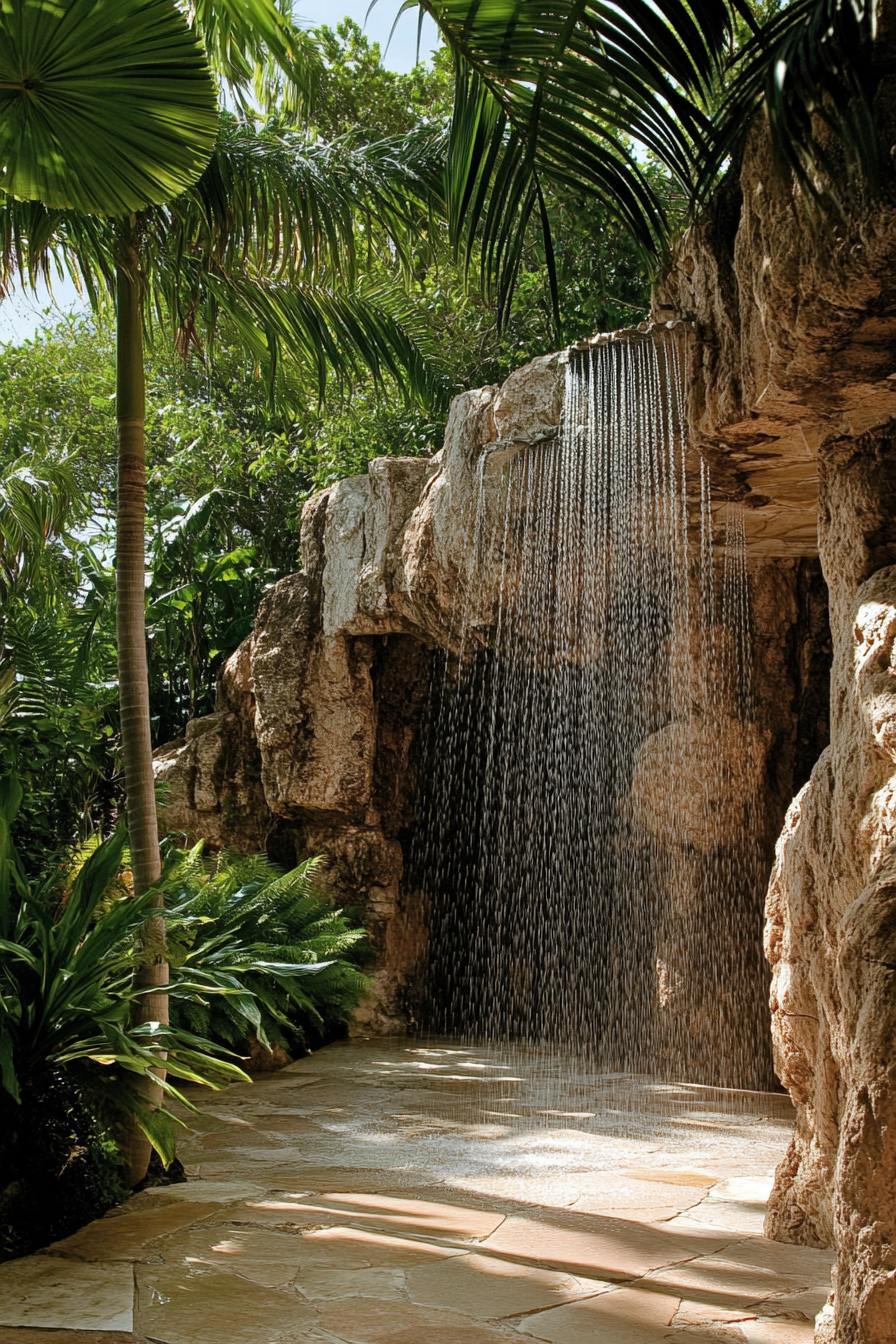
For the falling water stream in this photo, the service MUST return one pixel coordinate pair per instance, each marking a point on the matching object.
(588, 848)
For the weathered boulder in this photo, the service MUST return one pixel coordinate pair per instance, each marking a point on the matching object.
(314, 715)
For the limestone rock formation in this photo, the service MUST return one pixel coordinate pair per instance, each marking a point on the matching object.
(795, 330)
(212, 778)
(793, 401)
(710, 789)
(317, 737)
(318, 729)
(831, 926)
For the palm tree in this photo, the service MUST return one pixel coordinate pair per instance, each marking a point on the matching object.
(117, 164)
(572, 92)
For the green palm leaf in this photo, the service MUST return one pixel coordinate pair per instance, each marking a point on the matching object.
(106, 106)
(327, 331)
(571, 82)
(559, 91)
(811, 67)
(257, 49)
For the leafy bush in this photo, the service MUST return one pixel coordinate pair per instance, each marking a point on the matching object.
(59, 1162)
(67, 959)
(294, 954)
(253, 950)
(69, 1056)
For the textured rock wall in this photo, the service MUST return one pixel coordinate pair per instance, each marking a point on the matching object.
(831, 920)
(795, 327)
(315, 744)
(313, 750)
(793, 401)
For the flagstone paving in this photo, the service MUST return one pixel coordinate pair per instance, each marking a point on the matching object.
(397, 1192)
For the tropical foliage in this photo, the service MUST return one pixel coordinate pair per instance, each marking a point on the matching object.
(74, 89)
(236, 433)
(255, 953)
(292, 951)
(576, 94)
(66, 972)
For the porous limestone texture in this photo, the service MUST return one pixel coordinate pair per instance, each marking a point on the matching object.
(710, 789)
(831, 919)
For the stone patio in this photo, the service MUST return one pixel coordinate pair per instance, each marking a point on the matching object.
(397, 1192)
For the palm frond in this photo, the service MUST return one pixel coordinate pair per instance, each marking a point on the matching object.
(810, 69)
(37, 499)
(257, 49)
(40, 245)
(293, 205)
(560, 89)
(330, 332)
(104, 108)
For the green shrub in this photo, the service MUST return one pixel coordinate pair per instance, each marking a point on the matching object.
(67, 960)
(59, 1162)
(287, 946)
(252, 951)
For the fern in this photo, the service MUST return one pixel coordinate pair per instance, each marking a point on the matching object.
(237, 913)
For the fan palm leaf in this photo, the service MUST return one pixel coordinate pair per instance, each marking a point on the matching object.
(123, 90)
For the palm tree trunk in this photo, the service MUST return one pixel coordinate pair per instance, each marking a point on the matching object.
(133, 680)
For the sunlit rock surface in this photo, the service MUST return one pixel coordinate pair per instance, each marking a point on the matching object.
(793, 403)
(794, 339)
(831, 931)
(316, 742)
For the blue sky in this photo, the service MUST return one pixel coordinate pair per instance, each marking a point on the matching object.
(22, 314)
(403, 49)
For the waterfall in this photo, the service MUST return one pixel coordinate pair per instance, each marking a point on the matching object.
(583, 818)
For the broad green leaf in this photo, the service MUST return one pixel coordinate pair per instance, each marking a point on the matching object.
(106, 106)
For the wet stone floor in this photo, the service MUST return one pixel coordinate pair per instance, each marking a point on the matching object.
(401, 1192)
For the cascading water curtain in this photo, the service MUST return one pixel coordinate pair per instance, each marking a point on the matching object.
(564, 900)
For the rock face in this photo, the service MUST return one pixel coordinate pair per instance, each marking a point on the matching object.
(316, 741)
(795, 329)
(831, 922)
(711, 788)
(793, 400)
